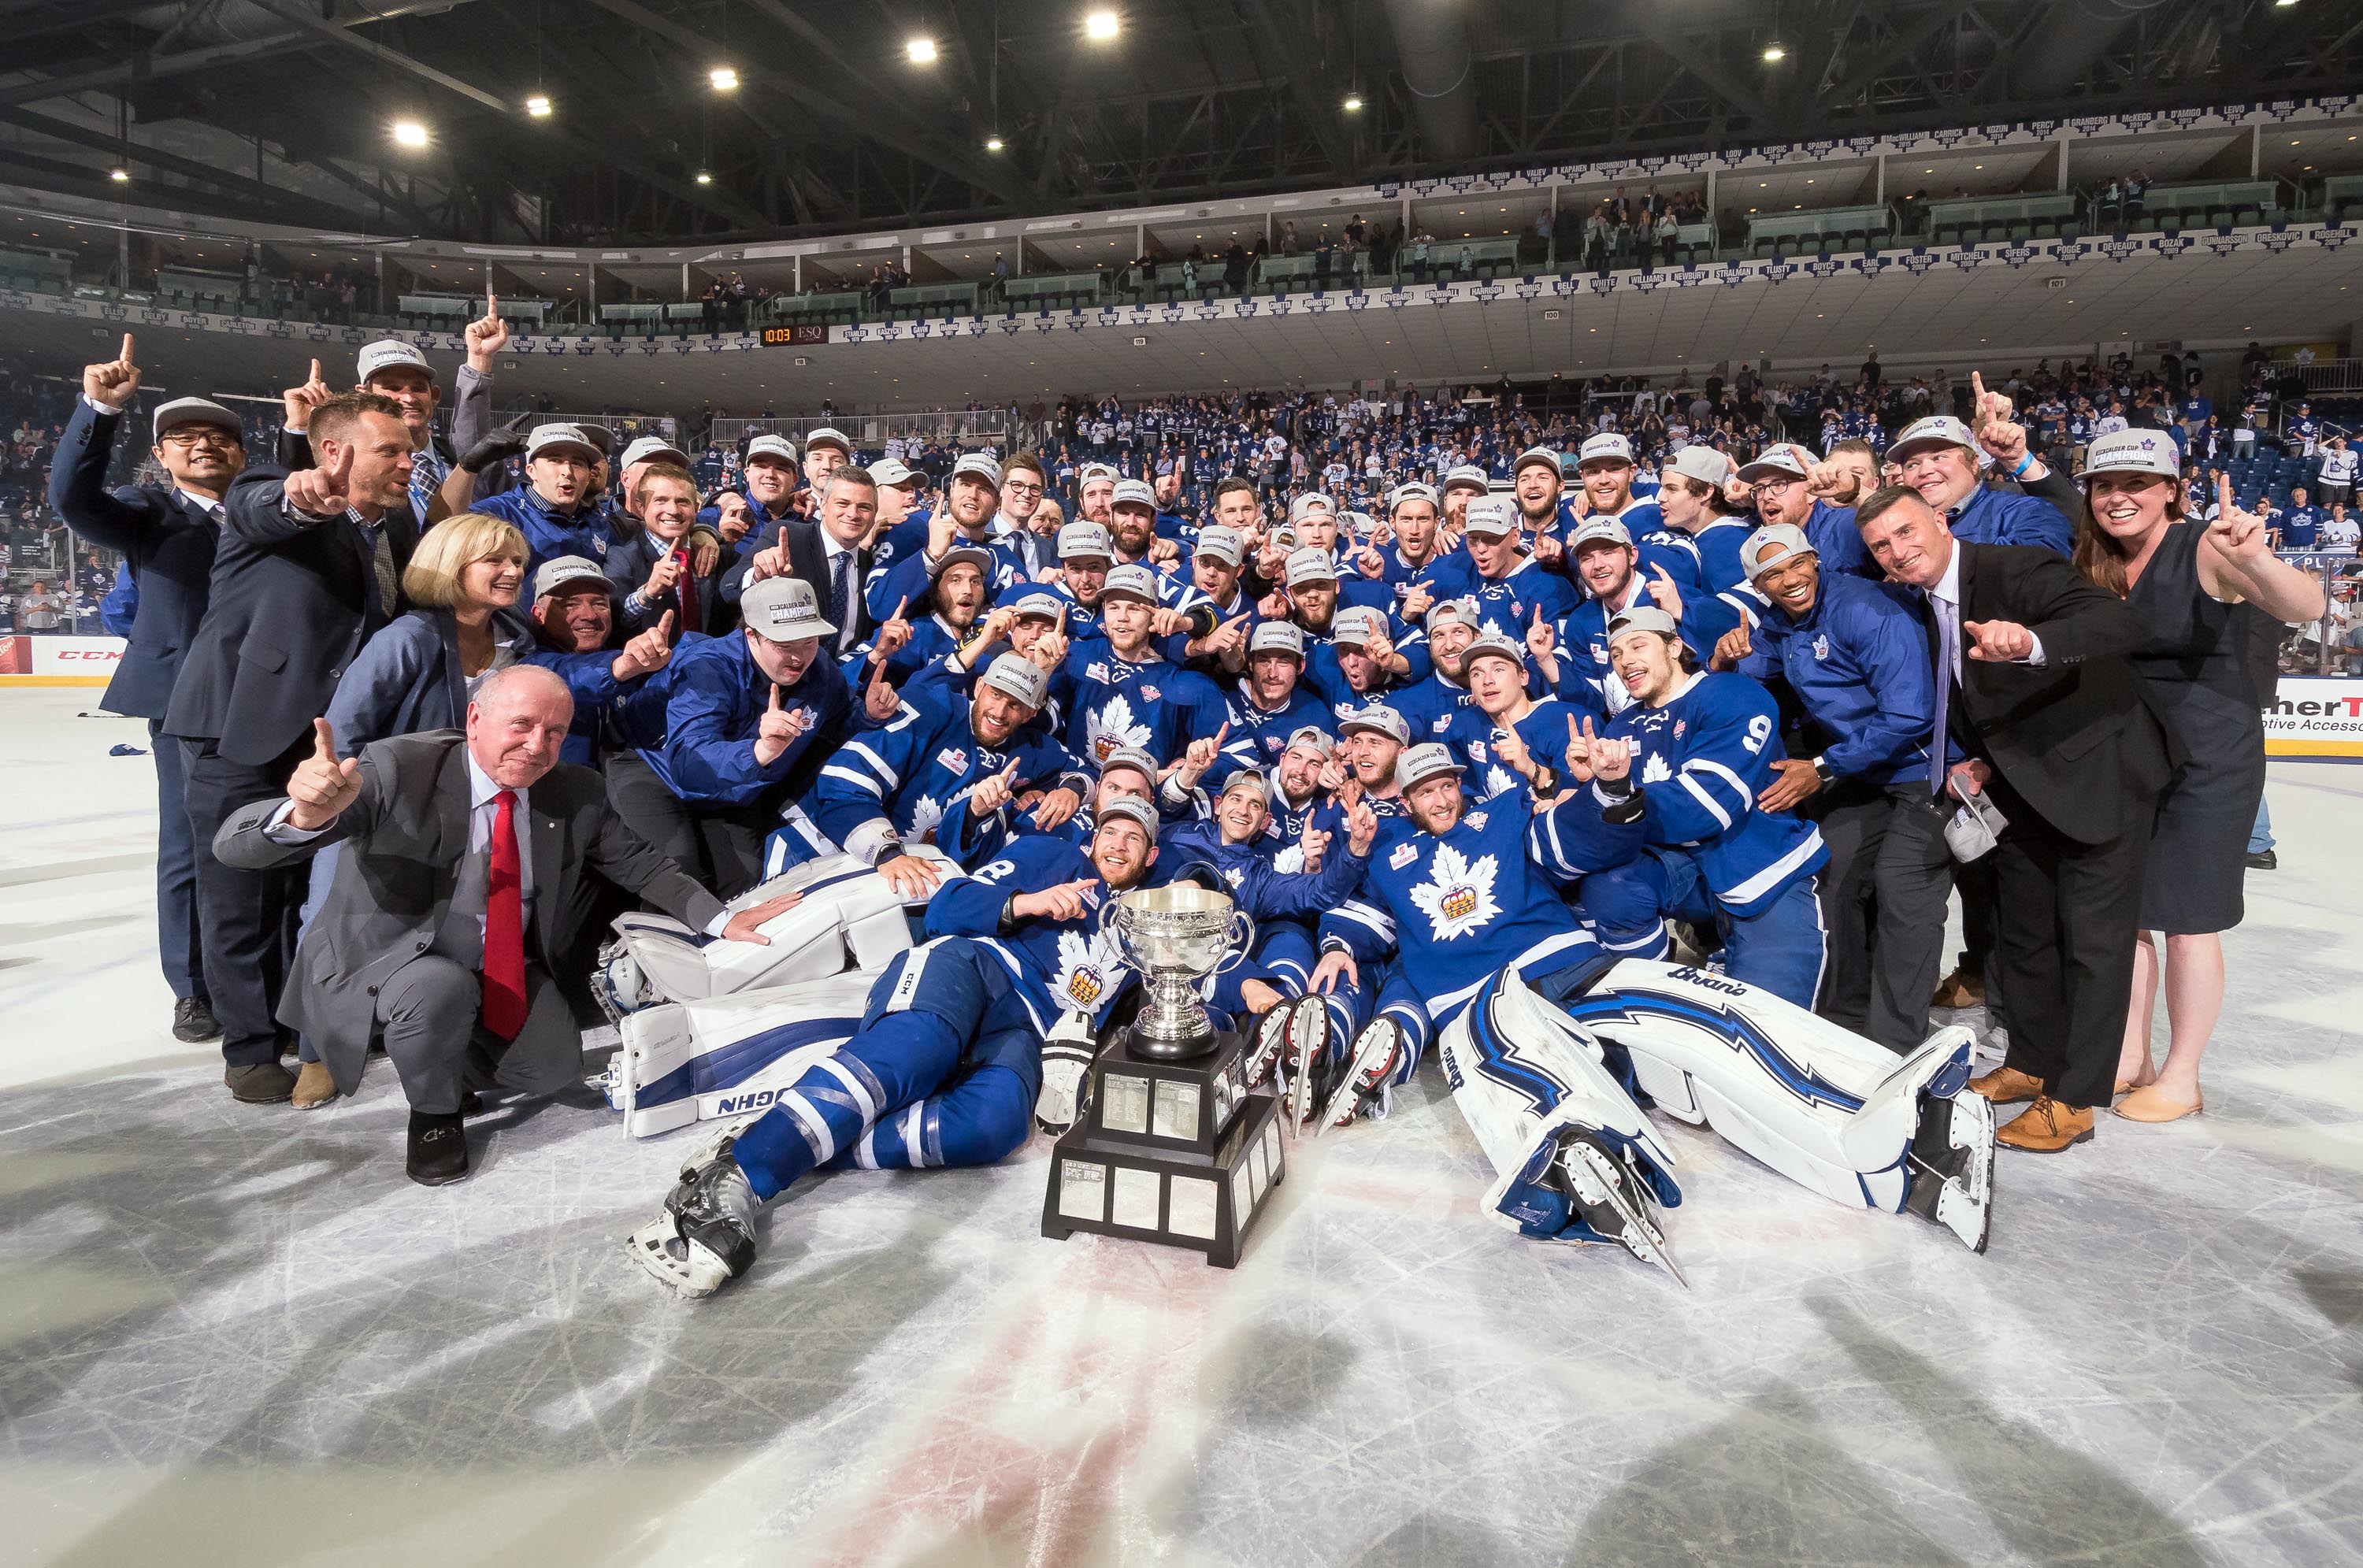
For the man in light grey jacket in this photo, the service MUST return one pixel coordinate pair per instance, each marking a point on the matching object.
(465, 873)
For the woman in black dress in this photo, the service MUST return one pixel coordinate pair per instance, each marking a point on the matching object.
(2197, 585)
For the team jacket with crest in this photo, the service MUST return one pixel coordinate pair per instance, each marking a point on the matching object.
(917, 771)
(548, 533)
(1859, 664)
(1056, 966)
(1703, 759)
(1464, 905)
(1112, 703)
(715, 696)
(1428, 707)
(1283, 838)
(1587, 680)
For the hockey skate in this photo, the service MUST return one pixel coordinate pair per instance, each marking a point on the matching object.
(1066, 1074)
(1378, 1055)
(706, 1237)
(1303, 1065)
(1950, 1163)
(1611, 1199)
(1272, 1040)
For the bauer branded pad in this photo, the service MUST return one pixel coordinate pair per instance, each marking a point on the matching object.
(727, 1056)
(1521, 1071)
(849, 919)
(1819, 1104)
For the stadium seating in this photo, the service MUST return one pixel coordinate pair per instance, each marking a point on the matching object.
(1053, 291)
(1972, 220)
(1781, 234)
(2222, 205)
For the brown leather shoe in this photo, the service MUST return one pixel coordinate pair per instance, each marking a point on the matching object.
(1959, 989)
(314, 1086)
(2008, 1085)
(2046, 1127)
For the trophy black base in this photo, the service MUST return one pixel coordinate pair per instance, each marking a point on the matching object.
(1171, 1152)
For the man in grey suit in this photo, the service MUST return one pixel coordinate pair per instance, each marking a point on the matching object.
(465, 873)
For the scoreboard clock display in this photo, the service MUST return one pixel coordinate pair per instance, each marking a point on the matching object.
(797, 336)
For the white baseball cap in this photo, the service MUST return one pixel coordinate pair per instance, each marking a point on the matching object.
(1085, 541)
(1277, 636)
(1542, 454)
(1134, 493)
(1774, 462)
(1311, 564)
(2133, 452)
(1380, 718)
(1420, 763)
(1444, 611)
(784, 608)
(546, 436)
(1493, 515)
(1596, 528)
(1128, 806)
(559, 570)
(1091, 471)
(1415, 491)
(1048, 606)
(1020, 677)
(1498, 646)
(1770, 545)
(1311, 500)
(1703, 464)
(1132, 581)
(391, 354)
(1221, 544)
(894, 472)
(1135, 758)
(1606, 447)
(649, 449)
(1311, 738)
(1250, 778)
(1467, 476)
(1936, 430)
(1354, 625)
(776, 448)
(1643, 618)
(828, 436)
(980, 467)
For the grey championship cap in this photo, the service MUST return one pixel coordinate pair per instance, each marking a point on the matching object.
(782, 609)
(195, 411)
(1703, 464)
(391, 354)
(978, 465)
(896, 472)
(1415, 491)
(1467, 476)
(1311, 738)
(1936, 430)
(1493, 515)
(2132, 452)
(650, 448)
(548, 438)
(1770, 545)
(1593, 529)
(561, 570)
(1420, 763)
(1537, 455)
(1019, 678)
(1250, 778)
(1132, 581)
(1780, 460)
(828, 436)
(1379, 719)
(1643, 618)
(976, 556)
(1277, 636)
(1085, 541)
(1354, 625)
(776, 448)
(1606, 447)
(1133, 758)
(1221, 544)
(1048, 606)
(1310, 564)
(1134, 493)
(1496, 644)
(1133, 808)
(1444, 611)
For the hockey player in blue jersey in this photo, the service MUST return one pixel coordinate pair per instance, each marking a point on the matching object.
(1361, 664)
(971, 498)
(1413, 545)
(1604, 468)
(1705, 746)
(1085, 557)
(1504, 736)
(1691, 501)
(555, 508)
(1427, 707)
(1492, 569)
(1271, 702)
(943, 773)
(946, 1064)
(1573, 660)
(1121, 691)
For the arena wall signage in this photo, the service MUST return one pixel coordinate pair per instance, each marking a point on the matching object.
(2316, 716)
(59, 661)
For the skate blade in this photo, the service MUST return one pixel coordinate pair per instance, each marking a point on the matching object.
(1306, 1024)
(1348, 1091)
(1640, 1238)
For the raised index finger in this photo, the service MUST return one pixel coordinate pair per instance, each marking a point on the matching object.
(126, 348)
(775, 697)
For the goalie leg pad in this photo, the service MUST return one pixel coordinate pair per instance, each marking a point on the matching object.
(706, 1236)
(1066, 1057)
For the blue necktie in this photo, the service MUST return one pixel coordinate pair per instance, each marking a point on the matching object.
(840, 594)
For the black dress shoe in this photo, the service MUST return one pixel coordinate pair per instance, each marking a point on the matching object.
(439, 1150)
(193, 1021)
(2266, 861)
(259, 1083)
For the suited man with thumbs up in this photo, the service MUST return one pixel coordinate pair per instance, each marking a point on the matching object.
(465, 873)
(308, 566)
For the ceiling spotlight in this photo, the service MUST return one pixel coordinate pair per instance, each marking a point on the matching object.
(703, 178)
(1100, 25)
(1774, 54)
(538, 107)
(993, 144)
(921, 51)
(409, 133)
(1353, 102)
(724, 79)
(120, 176)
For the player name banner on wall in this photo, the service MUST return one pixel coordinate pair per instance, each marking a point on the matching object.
(2316, 716)
(59, 661)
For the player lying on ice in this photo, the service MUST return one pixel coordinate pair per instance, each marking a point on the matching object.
(946, 1065)
(1552, 1045)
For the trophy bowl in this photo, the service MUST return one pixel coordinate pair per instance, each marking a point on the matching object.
(1176, 938)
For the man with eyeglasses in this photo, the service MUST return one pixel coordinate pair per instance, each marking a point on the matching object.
(1022, 483)
(1778, 479)
(167, 536)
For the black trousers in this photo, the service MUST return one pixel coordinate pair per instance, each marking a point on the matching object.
(248, 920)
(177, 922)
(1883, 895)
(721, 847)
(2068, 915)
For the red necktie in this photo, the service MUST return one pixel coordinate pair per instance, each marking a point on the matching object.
(684, 588)
(505, 926)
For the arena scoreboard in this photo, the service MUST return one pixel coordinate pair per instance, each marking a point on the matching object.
(797, 336)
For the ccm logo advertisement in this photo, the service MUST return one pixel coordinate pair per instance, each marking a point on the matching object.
(60, 661)
(2312, 715)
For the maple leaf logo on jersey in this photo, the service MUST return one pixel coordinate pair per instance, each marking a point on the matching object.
(1111, 728)
(1458, 895)
(1090, 967)
(1655, 770)
(924, 818)
(1289, 861)
(1497, 779)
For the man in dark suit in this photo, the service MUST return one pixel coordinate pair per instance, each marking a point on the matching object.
(2039, 709)
(665, 566)
(466, 873)
(309, 565)
(833, 555)
(166, 536)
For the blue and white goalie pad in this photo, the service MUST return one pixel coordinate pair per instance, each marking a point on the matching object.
(728, 1057)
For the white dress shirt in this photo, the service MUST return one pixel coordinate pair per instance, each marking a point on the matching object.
(1944, 599)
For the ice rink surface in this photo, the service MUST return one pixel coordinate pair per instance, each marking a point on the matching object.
(234, 1334)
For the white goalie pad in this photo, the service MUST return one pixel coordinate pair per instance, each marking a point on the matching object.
(849, 918)
(1819, 1104)
(1521, 1071)
(727, 1056)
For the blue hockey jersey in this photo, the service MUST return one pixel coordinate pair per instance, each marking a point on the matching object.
(1111, 702)
(1056, 966)
(918, 771)
(548, 533)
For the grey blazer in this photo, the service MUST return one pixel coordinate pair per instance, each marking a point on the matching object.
(406, 836)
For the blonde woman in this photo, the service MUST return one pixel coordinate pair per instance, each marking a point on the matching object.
(2198, 586)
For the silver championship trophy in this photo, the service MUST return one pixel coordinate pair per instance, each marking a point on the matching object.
(1173, 1148)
